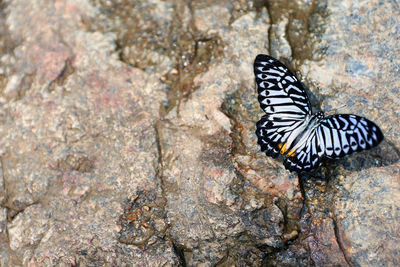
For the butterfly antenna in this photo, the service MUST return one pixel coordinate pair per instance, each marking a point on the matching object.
(335, 111)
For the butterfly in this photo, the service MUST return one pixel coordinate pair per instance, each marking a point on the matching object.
(292, 129)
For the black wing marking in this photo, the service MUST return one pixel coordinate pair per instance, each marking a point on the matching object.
(274, 134)
(264, 138)
(335, 137)
(307, 157)
(285, 102)
(343, 134)
(280, 94)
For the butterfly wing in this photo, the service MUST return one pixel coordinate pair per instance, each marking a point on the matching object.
(343, 134)
(307, 157)
(336, 136)
(279, 92)
(285, 102)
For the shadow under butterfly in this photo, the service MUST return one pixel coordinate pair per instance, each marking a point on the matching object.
(292, 129)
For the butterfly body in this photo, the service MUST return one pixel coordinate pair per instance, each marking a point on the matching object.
(311, 126)
(291, 129)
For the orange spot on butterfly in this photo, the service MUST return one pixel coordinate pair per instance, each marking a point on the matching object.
(283, 148)
(291, 153)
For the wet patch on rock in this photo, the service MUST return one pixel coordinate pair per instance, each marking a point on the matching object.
(170, 43)
(233, 220)
(296, 29)
(194, 57)
(78, 162)
(317, 241)
(143, 221)
(243, 110)
(142, 28)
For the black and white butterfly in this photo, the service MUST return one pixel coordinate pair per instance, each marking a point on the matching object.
(291, 129)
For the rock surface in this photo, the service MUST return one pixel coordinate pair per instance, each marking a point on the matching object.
(127, 134)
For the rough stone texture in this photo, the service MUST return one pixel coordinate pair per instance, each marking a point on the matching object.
(77, 144)
(367, 213)
(127, 134)
(358, 75)
(5, 252)
(203, 170)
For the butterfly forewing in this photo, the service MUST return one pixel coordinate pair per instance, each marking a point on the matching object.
(343, 134)
(283, 99)
(280, 94)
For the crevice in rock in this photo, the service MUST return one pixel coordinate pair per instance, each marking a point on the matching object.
(268, 6)
(339, 242)
(67, 70)
(160, 168)
(7, 46)
(302, 189)
(393, 145)
(7, 237)
(12, 213)
(4, 189)
(180, 253)
(11, 209)
(144, 220)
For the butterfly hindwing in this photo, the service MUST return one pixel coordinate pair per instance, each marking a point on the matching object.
(276, 133)
(264, 138)
(343, 134)
(336, 136)
(307, 157)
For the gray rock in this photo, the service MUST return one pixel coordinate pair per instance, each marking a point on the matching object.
(127, 134)
(366, 211)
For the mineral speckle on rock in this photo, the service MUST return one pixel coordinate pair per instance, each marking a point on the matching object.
(127, 134)
(143, 221)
